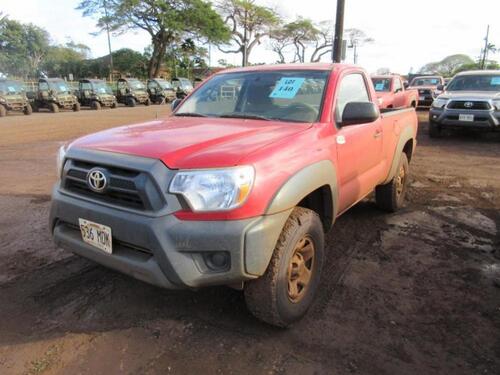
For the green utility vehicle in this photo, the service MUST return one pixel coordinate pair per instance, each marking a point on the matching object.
(95, 93)
(160, 91)
(130, 91)
(13, 97)
(53, 94)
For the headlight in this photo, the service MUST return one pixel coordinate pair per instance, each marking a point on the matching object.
(61, 155)
(439, 102)
(97, 97)
(214, 189)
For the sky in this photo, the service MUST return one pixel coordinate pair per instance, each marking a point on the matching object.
(407, 34)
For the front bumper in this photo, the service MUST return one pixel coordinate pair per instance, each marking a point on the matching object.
(488, 120)
(426, 101)
(164, 250)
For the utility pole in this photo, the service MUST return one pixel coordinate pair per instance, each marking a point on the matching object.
(245, 58)
(339, 32)
(485, 50)
(109, 42)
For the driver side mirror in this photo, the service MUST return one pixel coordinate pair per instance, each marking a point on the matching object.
(440, 87)
(356, 113)
(175, 104)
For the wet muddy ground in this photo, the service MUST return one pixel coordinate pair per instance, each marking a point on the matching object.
(417, 292)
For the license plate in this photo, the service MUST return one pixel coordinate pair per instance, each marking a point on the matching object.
(421, 98)
(97, 235)
(468, 118)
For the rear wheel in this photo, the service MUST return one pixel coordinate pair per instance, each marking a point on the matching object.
(3, 111)
(114, 105)
(286, 290)
(28, 110)
(54, 108)
(390, 197)
(434, 130)
(95, 105)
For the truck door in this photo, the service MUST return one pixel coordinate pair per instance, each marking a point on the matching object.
(399, 95)
(359, 147)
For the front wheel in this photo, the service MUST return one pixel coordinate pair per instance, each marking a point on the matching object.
(286, 290)
(28, 110)
(76, 107)
(96, 105)
(54, 108)
(130, 102)
(3, 111)
(147, 103)
(390, 197)
(434, 130)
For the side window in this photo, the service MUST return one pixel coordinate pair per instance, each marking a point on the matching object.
(352, 88)
(397, 85)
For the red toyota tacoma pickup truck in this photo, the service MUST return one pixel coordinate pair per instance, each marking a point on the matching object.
(391, 92)
(239, 185)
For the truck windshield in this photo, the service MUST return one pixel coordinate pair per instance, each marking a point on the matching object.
(136, 85)
(10, 87)
(425, 81)
(283, 95)
(165, 85)
(381, 84)
(59, 86)
(480, 82)
(102, 88)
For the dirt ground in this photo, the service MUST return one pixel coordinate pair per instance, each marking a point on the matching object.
(417, 292)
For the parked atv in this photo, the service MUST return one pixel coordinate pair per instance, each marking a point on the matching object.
(183, 86)
(53, 94)
(13, 97)
(130, 91)
(160, 91)
(95, 93)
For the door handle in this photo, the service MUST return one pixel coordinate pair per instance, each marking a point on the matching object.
(377, 134)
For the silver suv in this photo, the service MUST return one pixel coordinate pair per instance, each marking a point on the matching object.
(471, 101)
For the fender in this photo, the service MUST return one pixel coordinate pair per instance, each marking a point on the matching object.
(303, 183)
(406, 135)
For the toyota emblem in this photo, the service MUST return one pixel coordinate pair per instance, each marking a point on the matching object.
(468, 104)
(97, 181)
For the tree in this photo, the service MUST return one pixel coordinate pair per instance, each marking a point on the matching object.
(489, 64)
(63, 60)
(166, 21)
(301, 32)
(323, 44)
(448, 66)
(22, 47)
(249, 23)
(357, 38)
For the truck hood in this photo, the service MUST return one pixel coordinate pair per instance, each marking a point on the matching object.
(185, 142)
(422, 88)
(471, 95)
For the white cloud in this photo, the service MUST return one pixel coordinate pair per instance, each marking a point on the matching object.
(407, 33)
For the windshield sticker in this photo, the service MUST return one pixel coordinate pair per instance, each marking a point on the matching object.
(495, 81)
(287, 88)
(379, 86)
(62, 88)
(11, 89)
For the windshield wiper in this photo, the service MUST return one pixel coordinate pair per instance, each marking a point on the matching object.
(245, 115)
(190, 114)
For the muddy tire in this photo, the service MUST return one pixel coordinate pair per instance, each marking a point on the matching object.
(390, 197)
(95, 105)
(114, 105)
(54, 108)
(130, 102)
(434, 130)
(147, 103)
(28, 110)
(35, 107)
(286, 290)
(76, 107)
(3, 111)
